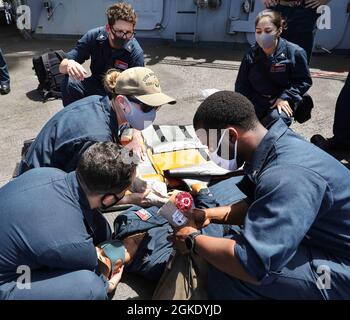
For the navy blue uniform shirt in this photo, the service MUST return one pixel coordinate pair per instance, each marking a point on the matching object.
(43, 216)
(95, 45)
(302, 195)
(288, 67)
(70, 132)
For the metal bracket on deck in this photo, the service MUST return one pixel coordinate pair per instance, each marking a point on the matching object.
(236, 25)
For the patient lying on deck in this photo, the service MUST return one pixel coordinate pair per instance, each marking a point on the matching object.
(140, 240)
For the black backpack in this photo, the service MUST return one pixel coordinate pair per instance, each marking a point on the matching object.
(46, 67)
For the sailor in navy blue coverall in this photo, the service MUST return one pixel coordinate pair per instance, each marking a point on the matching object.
(48, 226)
(95, 44)
(51, 224)
(295, 237)
(297, 227)
(70, 132)
(283, 75)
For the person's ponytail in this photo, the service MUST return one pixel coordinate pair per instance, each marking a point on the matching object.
(110, 80)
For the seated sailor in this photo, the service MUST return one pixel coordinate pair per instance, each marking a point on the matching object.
(274, 74)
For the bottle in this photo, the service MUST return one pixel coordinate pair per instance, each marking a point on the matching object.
(173, 211)
(126, 136)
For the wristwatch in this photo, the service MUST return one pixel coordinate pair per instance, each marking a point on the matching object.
(190, 240)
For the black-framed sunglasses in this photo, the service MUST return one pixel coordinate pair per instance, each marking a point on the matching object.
(144, 107)
(122, 34)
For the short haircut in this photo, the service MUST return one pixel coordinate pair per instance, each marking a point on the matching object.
(121, 11)
(225, 108)
(105, 168)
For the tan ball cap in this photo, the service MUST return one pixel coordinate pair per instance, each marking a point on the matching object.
(143, 84)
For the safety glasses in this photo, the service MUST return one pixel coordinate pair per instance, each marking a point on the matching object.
(144, 107)
(122, 34)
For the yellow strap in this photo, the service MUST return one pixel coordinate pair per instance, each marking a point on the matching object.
(153, 161)
(153, 176)
(176, 159)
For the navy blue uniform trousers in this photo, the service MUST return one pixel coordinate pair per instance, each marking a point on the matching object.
(341, 129)
(301, 26)
(73, 90)
(4, 73)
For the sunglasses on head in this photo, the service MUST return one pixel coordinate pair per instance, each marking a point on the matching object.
(144, 107)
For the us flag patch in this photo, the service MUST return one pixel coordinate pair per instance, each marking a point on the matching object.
(278, 68)
(120, 65)
(143, 214)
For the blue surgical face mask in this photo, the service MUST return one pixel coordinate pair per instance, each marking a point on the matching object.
(138, 119)
(227, 164)
(266, 40)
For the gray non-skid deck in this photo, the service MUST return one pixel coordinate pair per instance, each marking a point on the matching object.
(183, 71)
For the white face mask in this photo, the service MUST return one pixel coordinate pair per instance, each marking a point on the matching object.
(138, 119)
(266, 40)
(230, 165)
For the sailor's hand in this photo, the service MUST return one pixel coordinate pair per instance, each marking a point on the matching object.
(270, 3)
(139, 199)
(137, 145)
(115, 279)
(200, 218)
(179, 236)
(75, 70)
(314, 4)
(283, 105)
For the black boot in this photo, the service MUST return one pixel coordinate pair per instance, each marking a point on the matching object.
(5, 88)
(329, 144)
